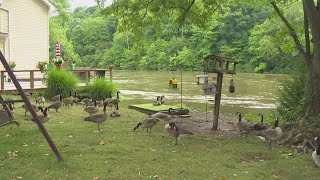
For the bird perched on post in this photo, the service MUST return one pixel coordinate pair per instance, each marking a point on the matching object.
(175, 131)
(147, 123)
(242, 126)
(271, 135)
(98, 118)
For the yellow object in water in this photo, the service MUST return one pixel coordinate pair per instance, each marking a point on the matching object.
(173, 83)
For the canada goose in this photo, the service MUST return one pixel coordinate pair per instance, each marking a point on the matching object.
(162, 99)
(272, 135)
(6, 119)
(99, 103)
(40, 100)
(86, 101)
(115, 113)
(110, 102)
(44, 117)
(242, 126)
(68, 101)
(35, 107)
(161, 116)
(56, 105)
(10, 99)
(261, 125)
(98, 118)
(92, 109)
(175, 131)
(10, 109)
(157, 102)
(57, 97)
(316, 153)
(147, 123)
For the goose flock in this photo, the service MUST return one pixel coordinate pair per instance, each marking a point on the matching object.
(264, 131)
(57, 102)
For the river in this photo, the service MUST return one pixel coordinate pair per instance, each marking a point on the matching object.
(254, 93)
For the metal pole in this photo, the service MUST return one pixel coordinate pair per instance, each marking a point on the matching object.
(31, 110)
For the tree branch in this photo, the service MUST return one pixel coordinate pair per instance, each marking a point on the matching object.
(291, 30)
(146, 11)
(185, 12)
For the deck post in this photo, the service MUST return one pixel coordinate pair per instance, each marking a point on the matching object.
(31, 79)
(217, 100)
(2, 80)
(86, 76)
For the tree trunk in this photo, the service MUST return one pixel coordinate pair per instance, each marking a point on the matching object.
(313, 85)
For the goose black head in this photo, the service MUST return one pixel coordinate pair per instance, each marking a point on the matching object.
(137, 126)
(174, 126)
(239, 114)
(105, 108)
(41, 108)
(260, 114)
(276, 123)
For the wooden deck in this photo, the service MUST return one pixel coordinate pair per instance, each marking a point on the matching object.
(35, 80)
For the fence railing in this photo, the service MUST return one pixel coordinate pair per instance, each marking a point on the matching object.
(35, 79)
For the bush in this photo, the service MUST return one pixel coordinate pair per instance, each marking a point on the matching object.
(293, 97)
(100, 88)
(64, 80)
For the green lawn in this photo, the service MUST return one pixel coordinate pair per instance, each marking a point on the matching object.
(119, 153)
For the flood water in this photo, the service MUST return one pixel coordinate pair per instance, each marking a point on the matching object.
(254, 93)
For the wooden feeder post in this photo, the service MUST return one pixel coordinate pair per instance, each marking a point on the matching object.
(215, 64)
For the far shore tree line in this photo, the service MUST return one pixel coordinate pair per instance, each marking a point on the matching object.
(264, 36)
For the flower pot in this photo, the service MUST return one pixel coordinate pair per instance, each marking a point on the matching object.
(58, 66)
(71, 67)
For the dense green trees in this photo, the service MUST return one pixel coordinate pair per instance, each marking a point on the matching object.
(98, 38)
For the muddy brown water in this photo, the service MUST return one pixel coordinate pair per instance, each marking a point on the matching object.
(254, 93)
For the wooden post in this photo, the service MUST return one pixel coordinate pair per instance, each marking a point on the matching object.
(31, 110)
(217, 100)
(2, 80)
(31, 79)
(86, 75)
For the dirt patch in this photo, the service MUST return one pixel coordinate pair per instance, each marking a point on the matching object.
(202, 122)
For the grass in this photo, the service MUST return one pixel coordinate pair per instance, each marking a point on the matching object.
(119, 153)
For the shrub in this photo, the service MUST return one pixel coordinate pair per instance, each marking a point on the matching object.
(100, 88)
(293, 97)
(64, 80)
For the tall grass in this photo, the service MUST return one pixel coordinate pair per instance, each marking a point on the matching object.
(64, 80)
(101, 88)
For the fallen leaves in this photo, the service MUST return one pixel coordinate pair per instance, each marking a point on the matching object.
(13, 154)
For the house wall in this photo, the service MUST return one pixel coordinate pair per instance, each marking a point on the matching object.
(29, 32)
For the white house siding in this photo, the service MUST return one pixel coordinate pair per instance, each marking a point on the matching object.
(29, 32)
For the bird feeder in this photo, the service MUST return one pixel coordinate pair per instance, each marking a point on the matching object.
(219, 65)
